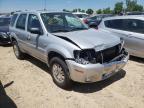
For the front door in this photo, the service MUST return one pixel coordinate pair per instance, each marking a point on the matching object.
(33, 39)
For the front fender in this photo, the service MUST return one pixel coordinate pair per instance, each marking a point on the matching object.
(62, 50)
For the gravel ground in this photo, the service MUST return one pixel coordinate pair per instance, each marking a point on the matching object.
(28, 84)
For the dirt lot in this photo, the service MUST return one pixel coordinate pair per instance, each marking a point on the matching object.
(29, 85)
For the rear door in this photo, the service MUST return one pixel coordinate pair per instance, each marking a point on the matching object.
(20, 31)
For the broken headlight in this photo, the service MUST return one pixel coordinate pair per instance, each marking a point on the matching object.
(85, 56)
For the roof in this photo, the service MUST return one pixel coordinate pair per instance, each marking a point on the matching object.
(126, 17)
(97, 15)
(41, 11)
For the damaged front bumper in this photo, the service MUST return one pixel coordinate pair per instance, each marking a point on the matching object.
(96, 72)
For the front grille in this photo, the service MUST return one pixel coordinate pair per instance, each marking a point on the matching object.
(107, 54)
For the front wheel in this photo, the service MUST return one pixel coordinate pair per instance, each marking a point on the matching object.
(60, 73)
(17, 52)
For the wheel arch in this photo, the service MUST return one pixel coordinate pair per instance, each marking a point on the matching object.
(52, 54)
(58, 51)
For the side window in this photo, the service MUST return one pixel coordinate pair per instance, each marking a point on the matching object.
(134, 25)
(13, 19)
(115, 24)
(21, 21)
(33, 22)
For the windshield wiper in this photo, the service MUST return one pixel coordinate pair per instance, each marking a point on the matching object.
(75, 29)
(65, 30)
(60, 30)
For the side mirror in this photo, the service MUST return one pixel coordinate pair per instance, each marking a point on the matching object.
(35, 31)
(93, 25)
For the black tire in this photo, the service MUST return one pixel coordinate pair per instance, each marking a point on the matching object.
(19, 55)
(67, 82)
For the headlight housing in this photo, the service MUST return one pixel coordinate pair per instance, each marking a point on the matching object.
(85, 56)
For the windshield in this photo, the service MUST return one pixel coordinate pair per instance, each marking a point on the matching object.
(62, 22)
(4, 21)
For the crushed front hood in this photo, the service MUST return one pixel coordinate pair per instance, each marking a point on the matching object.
(91, 38)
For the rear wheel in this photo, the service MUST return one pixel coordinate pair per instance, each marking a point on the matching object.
(60, 73)
(17, 52)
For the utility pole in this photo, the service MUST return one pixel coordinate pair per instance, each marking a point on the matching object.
(124, 6)
(44, 4)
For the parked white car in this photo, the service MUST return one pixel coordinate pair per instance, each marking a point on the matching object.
(130, 28)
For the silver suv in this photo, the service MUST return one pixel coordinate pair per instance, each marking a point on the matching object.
(73, 51)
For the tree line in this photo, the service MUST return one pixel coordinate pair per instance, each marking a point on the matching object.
(120, 7)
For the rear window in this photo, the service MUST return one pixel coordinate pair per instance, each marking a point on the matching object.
(4, 21)
(13, 19)
(21, 21)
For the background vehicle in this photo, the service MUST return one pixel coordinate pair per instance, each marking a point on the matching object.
(81, 15)
(4, 30)
(71, 50)
(135, 13)
(130, 28)
(94, 21)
